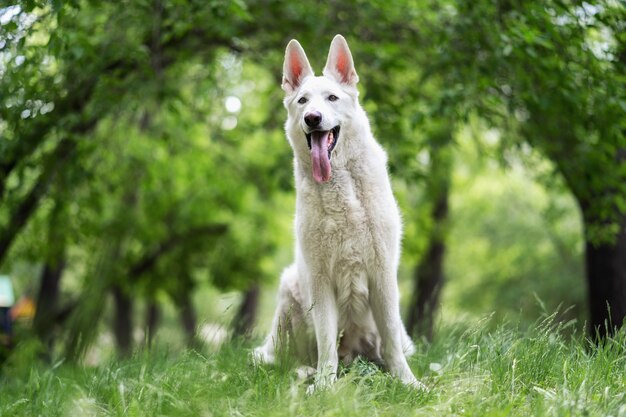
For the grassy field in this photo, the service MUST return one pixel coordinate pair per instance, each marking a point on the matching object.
(545, 371)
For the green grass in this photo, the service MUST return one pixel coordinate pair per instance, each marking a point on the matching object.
(470, 372)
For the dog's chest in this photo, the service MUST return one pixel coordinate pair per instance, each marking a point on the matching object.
(334, 226)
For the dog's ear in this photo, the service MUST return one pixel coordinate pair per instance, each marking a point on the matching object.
(339, 64)
(296, 67)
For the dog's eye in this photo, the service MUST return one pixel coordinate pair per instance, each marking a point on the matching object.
(333, 97)
(302, 100)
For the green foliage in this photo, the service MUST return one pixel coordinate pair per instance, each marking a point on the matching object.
(550, 74)
(121, 119)
(116, 140)
(515, 248)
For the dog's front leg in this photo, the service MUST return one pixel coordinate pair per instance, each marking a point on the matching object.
(384, 299)
(324, 314)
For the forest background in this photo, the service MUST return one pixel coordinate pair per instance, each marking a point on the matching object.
(146, 188)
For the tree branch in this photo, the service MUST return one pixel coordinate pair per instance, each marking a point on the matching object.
(148, 261)
(24, 210)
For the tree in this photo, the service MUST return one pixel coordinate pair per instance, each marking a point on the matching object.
(428, 277)
(118, 147)
(95, 79)
(93, 98)
(550, 74)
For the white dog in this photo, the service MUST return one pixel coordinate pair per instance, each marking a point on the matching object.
(340, 298)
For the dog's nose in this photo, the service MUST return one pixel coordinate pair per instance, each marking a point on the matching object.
(313, 119)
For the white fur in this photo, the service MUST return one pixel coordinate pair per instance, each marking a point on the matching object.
(340, 298)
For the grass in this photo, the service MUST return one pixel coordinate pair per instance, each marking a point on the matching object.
(470, 372)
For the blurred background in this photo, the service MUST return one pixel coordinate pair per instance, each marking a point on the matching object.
(146, 187)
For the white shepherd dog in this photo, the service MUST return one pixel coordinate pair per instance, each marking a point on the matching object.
(340, 298)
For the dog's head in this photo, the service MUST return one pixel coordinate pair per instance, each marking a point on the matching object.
(319, 107)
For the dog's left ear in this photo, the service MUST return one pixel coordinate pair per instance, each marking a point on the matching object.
(339, 64)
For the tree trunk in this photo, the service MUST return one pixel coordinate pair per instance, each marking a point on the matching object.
(429, 275)
(605, 261)
(188, 318)
(153, 316)
(246, 314)
(47, 300)
(122, 325)
(606, 284)
(47, 312)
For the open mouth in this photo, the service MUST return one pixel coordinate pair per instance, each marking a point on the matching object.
(331, 137)
(321, 144)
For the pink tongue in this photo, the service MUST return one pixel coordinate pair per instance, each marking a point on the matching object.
(319, 156)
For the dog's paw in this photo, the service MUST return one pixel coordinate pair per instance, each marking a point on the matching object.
(414, 383)
(408, 348)
(418, 385)
(322, 382)
(405, 375)
(260, 356)
(304, 372)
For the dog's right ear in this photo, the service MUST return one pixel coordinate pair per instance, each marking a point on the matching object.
(296, 67)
